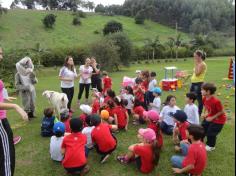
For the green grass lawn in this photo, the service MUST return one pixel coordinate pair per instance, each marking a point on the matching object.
(24, 29)
(32, 154)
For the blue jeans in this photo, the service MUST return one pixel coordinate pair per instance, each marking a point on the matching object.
(177, 160)
(196, 88)
(86, 151)
(167, 129)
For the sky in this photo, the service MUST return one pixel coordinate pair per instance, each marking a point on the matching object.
(7, 3)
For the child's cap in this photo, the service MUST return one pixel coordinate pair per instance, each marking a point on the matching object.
(180, 116)
(94, 89)
(138, 71)
(157, 90)
(104, 114)
(59, 127)
(152, 115)
(65, 113)
(86, 109)
(95, 119)
(148, 134)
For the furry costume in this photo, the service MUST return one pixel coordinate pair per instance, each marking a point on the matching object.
(25, 79)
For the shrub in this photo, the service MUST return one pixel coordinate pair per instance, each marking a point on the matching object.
(76, 21)
(49, 20)
(139, 18)
(125, 47)
(80, 14)
(96, 32)
(112, 27)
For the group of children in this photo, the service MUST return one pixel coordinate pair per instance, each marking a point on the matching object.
(73, 138)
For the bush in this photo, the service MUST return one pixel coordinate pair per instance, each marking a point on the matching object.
(125, 46)
(80, 14)
(106, 53)
(112, 27)
(96, 32)
(49, 20)
(139, 18)
(76, 21)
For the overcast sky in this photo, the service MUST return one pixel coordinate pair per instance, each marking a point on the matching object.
(7, 3)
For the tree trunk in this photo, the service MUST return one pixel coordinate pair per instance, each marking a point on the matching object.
(153, 55)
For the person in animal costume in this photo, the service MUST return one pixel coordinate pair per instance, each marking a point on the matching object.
(25, 79)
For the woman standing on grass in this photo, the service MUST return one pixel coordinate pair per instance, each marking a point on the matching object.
(7, 149)
(67, 76)
(198, 77)
(85, 80)
(96, 77)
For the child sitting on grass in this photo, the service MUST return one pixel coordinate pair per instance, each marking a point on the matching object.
(65, 118)
(86, 111)
(56, 141)
(48, 122)
(96, 101)
(146, 153)
(139, 91)
(73, 149)
(88, 131)
(152, 118)
(138, 113)
(129, 96)
(105, 142)
(167, 122)
(156, 103)
(215, 118)
(194, 156)
(181, 125)
(191, 109)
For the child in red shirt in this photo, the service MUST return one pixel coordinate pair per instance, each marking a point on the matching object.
(96, 97)
(146, 154)
(194, 156)
(139, 90)
(105, 142)
(87, 110)
(73, 149)
(120, 114)
(138, 113)
(110, 95)
(107, 82)
(152, 118)
(215, 117)
(65, 118)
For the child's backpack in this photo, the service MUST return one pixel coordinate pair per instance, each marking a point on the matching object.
(47, 126)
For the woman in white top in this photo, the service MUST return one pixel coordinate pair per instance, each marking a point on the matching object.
(85, 79)
(67, 76)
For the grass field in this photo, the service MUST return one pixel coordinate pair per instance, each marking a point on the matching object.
(32, 154)
(24, 29)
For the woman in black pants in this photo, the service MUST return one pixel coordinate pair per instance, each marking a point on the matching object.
(67, 76)
(85, 80)
(198, 78)
(96, 77)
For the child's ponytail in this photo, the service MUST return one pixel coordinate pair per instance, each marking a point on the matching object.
(156, 151)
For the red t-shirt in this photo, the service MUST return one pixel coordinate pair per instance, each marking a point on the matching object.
(83, 118)
(107, 82)
(213, 106)
(139, 110)
(158, 132)
(67, 125)
(196, 156)
(139, 94)
(74, 144)
(146, 154)
(145, 84)
(182, 129)
(107, 98)
(95, 106)
(121, 116)
(101, 135)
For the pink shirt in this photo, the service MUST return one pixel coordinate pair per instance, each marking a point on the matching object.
(3, 113)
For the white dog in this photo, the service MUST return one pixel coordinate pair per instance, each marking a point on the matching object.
(58, 100)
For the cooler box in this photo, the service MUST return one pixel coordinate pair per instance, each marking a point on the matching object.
(169, 84)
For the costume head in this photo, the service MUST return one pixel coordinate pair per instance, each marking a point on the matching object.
(25, 66)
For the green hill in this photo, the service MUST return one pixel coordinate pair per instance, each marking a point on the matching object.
(24, 29)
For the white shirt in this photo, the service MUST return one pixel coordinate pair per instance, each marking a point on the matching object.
(130, 99)
(86, 74)
(67, 73)
(156, 106)
(87, 131)
(192, 113)
(55, 148)
(152, 84)
(166, 114)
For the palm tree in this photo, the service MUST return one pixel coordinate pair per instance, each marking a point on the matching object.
(177, 42)
(171, 44)
(154, 45)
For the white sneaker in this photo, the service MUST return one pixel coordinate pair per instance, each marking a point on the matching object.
(209, 149)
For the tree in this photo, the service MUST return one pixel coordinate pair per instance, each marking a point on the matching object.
(112, 27)
(2, 10)
(124, 44)
(100, 8)
(171, 44)
(49, 20)
(155, 45)
(139, 18)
